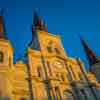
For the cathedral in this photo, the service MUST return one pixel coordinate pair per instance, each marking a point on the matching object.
(47, 73)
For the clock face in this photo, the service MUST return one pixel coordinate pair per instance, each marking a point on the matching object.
(58, 64)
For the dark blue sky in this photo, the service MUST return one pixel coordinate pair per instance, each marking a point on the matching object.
(64, 17)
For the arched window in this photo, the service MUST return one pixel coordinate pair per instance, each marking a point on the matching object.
(39, 71)
(68, 95)
(58, 95)
(1, 56)
(62, 77)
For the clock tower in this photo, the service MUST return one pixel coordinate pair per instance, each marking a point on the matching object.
(45, 54)
(53, 72)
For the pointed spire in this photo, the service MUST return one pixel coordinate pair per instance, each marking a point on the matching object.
(91, 56)
(2, 26)
(38, 24)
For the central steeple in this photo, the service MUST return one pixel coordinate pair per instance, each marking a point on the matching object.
(38, 24)
(2, 26)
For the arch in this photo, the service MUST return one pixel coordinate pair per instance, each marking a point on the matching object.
(39, 71)
(68, 95)
(57, 94)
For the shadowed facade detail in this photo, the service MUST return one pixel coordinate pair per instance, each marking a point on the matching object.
(47, 74)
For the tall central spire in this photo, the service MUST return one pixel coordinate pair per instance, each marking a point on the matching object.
(91, 56)
(38, 24)
(2, 27)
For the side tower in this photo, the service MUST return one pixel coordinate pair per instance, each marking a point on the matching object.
(93, 59)
(6, 60)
